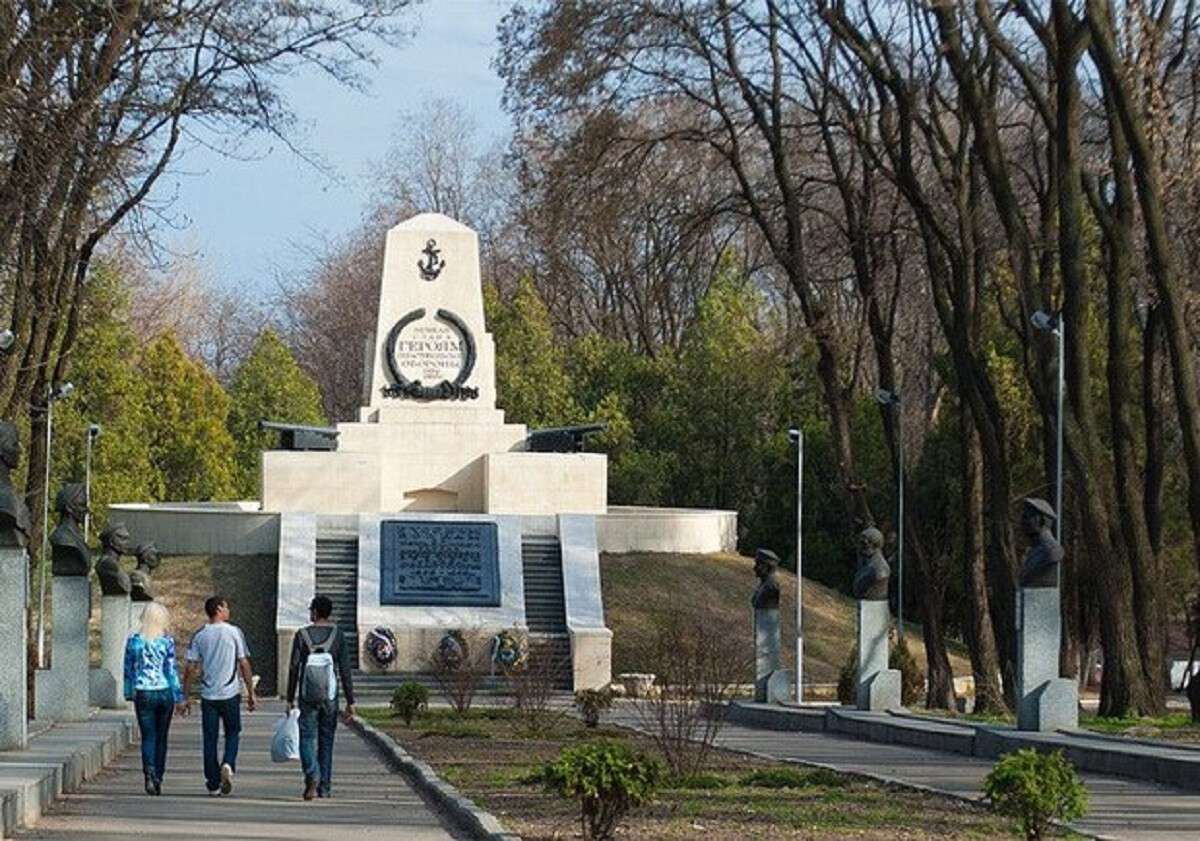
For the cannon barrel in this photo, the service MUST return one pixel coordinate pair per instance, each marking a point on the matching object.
(293, 436)
(581, 429)
(265, 424)
(561, 439)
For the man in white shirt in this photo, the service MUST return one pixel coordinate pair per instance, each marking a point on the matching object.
(218, 651)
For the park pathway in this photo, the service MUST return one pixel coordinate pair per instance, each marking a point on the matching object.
(370, 802)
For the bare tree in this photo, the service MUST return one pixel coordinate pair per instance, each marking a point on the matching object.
(96, 102)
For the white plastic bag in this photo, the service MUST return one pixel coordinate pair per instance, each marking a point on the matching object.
(285, 744)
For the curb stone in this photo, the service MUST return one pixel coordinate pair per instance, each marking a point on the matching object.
(483, 826)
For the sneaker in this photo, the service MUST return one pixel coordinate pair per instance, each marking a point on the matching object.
(310, 788)
(149, 785)
(157, 787)
(212, 792)
(226, 779)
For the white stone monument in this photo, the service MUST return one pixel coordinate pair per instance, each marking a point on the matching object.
(430, 437)
(430, 514)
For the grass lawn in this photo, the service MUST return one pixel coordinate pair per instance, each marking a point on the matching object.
(638, 587)
(1175, 727)
(492, 757)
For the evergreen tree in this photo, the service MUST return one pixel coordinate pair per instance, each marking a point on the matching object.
(189, 443)
(110, 392)
(722, 398)
(532, 384)
(268, 384)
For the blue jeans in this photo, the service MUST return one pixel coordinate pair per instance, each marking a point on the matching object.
(154, 708)
(228, 714)
(317, 725)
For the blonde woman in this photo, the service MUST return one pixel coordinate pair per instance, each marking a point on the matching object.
(152, 683)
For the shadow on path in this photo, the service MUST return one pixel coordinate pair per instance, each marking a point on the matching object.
(369, 801)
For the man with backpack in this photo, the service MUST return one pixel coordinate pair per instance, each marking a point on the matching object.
(318, 672)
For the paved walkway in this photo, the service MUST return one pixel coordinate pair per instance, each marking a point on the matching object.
(1119, 808)
(370, 802)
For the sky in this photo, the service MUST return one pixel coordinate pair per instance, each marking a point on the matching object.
(243, 219)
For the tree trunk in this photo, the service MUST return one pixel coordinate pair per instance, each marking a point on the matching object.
(985, 663)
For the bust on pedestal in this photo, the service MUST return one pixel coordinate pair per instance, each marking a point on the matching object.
(878, 687)
(771, 683)
(107, 688)
(14, 571)
(62, 690)
(1045, 701)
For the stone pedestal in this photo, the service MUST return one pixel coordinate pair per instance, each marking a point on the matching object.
(878, 687)
(1045, 701)
(108, 685)
(14, 567)
(766, 649)
(62, 692)
(136, 609)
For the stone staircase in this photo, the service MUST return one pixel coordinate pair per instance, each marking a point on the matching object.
(337, 578)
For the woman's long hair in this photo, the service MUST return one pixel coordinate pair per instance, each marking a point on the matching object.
(156, 620)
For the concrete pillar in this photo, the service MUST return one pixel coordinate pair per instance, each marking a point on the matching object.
(14, 569)
(1045, 701)
(71, 601)
(114, 630)
(878, 687)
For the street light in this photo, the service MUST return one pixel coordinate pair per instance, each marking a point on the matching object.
(891, 399)
(1043, 320)
(7, 339)
(93, 432)
(797, 435)
(53, 395)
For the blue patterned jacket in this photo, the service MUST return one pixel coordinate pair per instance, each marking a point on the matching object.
(151, 666)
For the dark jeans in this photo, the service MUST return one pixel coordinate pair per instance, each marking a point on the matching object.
(317, 725)
(154, 708)
(228, 714)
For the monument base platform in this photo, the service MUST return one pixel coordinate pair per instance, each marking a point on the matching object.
(547, 588)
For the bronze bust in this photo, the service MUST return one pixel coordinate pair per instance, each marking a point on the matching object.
(14, 516)
(68, 551)
(114, 542)
(766, 594)
(1044, 554)
(147, 562)
(872, 575)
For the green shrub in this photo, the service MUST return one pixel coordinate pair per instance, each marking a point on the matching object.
(794, 778)
(408, 699)
(848, 679)
(703, 782)
(607, 778)
(1035, 788)
(592, 702)
(912, 679)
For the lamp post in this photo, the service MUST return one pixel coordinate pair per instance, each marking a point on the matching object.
(797, 435)
(1043, 320)
(53, 394)
(891, 399)
(93, 432)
